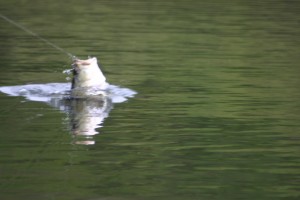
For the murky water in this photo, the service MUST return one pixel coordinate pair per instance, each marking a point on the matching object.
(216, 115)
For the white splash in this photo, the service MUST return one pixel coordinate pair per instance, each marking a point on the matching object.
(84, 115)
(48, 91)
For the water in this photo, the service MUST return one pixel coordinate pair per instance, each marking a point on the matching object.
(217, 110)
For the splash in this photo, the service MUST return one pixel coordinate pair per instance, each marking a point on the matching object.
(84, 115)
(48, 91)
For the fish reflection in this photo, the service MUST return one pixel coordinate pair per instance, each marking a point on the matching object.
(84, 115)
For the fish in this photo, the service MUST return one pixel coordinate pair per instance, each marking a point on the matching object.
(87, 101)
(88, 79)
(87, 73)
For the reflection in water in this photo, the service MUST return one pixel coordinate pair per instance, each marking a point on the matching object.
(84, 115)
(218, 114)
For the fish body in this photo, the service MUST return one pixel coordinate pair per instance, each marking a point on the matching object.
(86, 74)
(88, 79)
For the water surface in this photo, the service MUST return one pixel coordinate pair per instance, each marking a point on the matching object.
(217, 110)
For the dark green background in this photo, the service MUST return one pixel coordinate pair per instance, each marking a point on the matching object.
(217, 111)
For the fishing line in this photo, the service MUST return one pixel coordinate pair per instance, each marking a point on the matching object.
(36, 35)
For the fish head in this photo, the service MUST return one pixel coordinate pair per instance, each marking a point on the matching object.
(86, 73)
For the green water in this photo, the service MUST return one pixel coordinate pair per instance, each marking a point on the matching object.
(216, 116)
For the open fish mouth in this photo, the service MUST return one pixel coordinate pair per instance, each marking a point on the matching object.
(78, 61)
